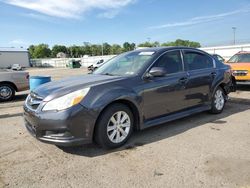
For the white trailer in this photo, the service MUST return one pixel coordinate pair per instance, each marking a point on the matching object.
(227, 51)
(11, 56)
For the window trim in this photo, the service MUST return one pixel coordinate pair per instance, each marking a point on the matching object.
(199, 52)
(152, 64)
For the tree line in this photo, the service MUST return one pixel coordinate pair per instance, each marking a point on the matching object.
(75, 51)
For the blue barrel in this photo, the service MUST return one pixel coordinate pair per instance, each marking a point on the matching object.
(36, 81)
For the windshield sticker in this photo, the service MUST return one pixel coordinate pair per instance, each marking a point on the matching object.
(146, 53)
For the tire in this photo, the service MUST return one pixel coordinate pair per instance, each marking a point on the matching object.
(7, 92)
(109, 133)
(218, 101)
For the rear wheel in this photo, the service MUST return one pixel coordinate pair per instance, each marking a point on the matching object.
(7, 92)
(218, 101)
(114, 126)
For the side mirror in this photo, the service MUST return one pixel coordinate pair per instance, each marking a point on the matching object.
(157, 72)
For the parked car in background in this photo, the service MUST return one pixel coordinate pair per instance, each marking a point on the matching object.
(219, 58)
(133, 91)
(12, 82)
(16, 67)
(240, 64)
(96, 65)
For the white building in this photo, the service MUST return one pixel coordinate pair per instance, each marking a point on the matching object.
(10, 56)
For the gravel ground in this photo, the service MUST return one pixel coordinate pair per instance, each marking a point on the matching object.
(199, 151)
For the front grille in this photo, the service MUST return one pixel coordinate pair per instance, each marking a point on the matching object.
(33, 101)
(240, 72)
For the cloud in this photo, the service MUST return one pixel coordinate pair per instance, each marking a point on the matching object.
(71, 8)
(109, 14)
(18, 42)
(201, 19)
(37, 16)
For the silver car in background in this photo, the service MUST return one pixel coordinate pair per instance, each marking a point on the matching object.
(12, 82)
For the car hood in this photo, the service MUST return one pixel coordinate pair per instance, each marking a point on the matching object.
(240, 66)
(62, 87)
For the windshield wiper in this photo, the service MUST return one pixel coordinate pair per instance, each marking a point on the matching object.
(108, 74)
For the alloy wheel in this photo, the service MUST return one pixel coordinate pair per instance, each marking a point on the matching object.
(219, 100)
(118, 127)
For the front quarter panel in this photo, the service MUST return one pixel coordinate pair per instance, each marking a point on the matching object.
(100, 97)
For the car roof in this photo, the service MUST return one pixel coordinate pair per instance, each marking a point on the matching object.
(244, 52)
(160, 49)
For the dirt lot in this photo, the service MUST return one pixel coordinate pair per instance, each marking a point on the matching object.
(199, 151)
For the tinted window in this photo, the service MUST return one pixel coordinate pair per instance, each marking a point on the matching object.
(240, 58)
(196, 60)
(220, 58)
(171, 61)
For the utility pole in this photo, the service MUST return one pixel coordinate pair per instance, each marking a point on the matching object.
(234, 32)
(102, 49)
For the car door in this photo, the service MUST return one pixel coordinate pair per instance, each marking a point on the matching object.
(166, 94)
(201, 73)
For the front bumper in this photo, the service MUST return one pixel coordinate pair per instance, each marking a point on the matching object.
(242, 76)
(69, 127)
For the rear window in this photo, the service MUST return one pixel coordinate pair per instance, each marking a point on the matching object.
(240, 58)
(196, 60)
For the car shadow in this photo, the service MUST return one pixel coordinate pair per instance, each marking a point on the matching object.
(20, 97)
(16, 102)
(241, 87)
(10, 115)
(167, 130)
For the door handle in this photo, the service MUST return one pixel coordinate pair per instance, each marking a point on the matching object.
(213, 74)
(183, 80)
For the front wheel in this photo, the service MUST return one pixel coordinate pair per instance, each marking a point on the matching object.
(218, 101)
(114, 126)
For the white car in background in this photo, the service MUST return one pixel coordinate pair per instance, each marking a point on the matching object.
(16, 67)
(12, 82)
(96, 65)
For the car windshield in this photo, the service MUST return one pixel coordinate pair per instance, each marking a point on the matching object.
(240, 58)
(127, 64)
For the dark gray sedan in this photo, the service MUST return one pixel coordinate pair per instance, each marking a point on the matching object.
(133, 91)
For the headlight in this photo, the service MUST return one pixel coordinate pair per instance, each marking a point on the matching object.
(66, 101)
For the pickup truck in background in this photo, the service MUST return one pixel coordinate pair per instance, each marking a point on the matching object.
(12, 82)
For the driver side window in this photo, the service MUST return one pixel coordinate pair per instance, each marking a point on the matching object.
(171, 62)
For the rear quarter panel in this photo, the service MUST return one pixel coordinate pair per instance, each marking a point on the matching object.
(223, 77)
(19, 79)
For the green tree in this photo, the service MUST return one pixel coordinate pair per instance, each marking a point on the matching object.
(149, 44)
(86, 48)
(128, 46)
(96, 50)
(106, 49)
(132, 46)
(116, 49)
(58, 48)
(31, 50)
(75, 51)
(180, 42)
(40, 51)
